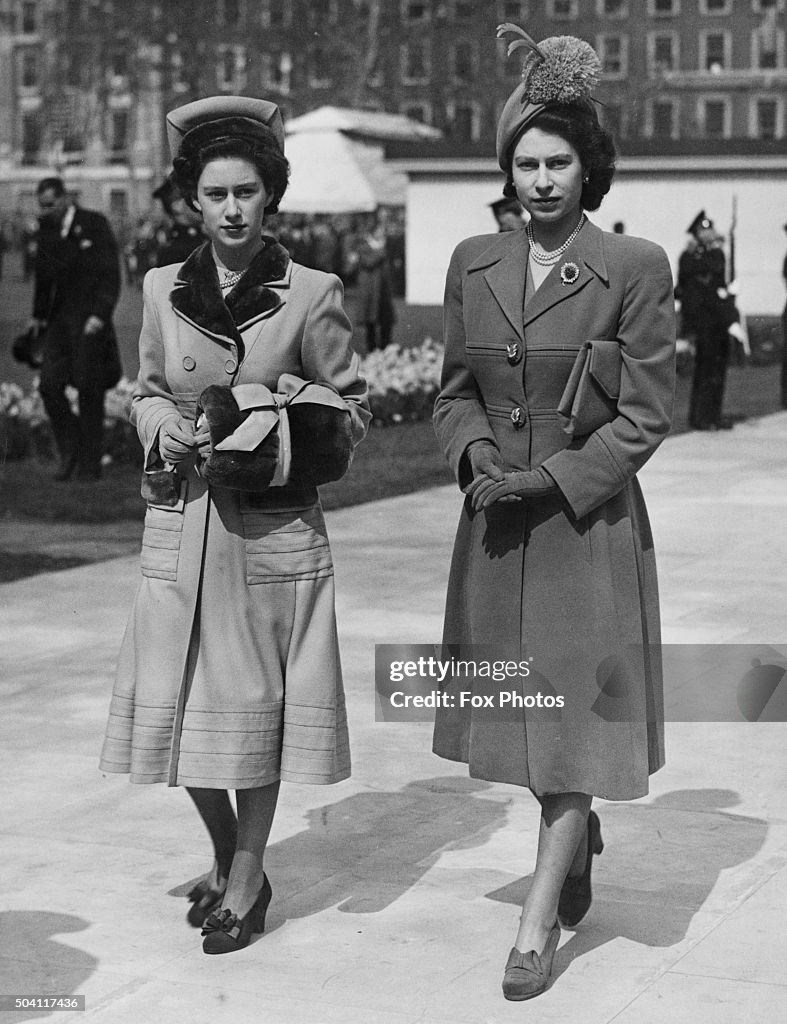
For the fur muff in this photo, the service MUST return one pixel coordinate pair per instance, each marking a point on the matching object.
(239, 471)
(322, 446)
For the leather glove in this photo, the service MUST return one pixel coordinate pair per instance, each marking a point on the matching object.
(485, 461)
(533, 483)
(176, 439)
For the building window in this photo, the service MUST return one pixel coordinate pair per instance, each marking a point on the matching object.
(231, 69)
(761, 6)
(31, 137)
(662, 52)
(464, 10)
(465, 121)
(119, 131)
(29, 18)
(464, 61)
(563, 10)
(323, 12)
(663, 8)
(611, 115)
(28, 74)
(230, 13)
(276, 71)
(767, 118)
(715, 50)
(767, 45)
(416, 10)
(320, 70)
(416, 62)
(613, 54)
(715, 6)
(421, 112)
(612, 8)
(663, 119)
(513, 10)
(714, 116)
(276, 13)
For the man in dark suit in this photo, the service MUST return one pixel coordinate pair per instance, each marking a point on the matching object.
(77, 283)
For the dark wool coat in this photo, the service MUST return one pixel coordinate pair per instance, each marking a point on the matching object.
(229, 672)
(77, 277)
(571, 580)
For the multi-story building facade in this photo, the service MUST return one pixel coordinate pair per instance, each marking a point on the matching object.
(85, 83)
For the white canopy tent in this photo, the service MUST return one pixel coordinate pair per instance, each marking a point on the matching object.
(338, 163)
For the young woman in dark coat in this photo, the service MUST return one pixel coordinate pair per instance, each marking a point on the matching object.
(554, 556)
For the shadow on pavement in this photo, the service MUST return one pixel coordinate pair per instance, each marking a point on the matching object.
(33, 962)
(366, 851)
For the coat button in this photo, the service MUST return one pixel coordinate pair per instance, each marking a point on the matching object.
(230, 366)
(189, 363)
(513, 353)
(518, 417)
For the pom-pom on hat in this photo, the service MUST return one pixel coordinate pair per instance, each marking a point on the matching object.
(215, 117)
(560, 69)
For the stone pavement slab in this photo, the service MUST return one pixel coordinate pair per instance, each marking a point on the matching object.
(396, 893)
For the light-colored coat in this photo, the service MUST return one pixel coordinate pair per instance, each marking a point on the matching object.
(570, 580)
(229, 672)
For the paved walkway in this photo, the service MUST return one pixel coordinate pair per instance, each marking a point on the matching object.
(396, 893)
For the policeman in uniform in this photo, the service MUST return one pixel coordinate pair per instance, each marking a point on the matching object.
(784, 338)
(708, 313)
(77, 284)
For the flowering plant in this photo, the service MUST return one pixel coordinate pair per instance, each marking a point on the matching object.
(403, 382)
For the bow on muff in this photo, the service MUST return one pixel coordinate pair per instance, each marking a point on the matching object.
(261, 439)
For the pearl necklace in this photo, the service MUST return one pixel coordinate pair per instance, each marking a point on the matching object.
(229, 277)
(548, 259)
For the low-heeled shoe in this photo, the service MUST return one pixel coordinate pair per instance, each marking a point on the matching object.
(576, 895)
(528, 974)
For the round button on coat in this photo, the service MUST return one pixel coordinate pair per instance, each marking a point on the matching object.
(189, 363)
(513, 353)
(230, 366)
(518, 417)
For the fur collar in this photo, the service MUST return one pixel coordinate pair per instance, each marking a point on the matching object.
(197, 296)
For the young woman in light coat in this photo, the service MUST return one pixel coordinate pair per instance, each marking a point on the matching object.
(229, 674)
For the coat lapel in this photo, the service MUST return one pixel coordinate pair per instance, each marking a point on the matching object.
(585, 258)
(506, 263)
(197, 296)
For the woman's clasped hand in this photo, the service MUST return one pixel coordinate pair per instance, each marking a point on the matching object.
(516, 485)
(179, 437)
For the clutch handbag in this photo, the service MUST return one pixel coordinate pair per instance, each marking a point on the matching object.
(590, 398)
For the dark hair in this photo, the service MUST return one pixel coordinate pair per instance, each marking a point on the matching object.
(270, 162)
(580, 126)
(54, 184)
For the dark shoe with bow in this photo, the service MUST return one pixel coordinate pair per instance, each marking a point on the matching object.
(205, 900)
(576, 895)
(528, 974)
(225, 932)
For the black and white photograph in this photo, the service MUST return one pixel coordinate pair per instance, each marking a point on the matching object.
(393, 488)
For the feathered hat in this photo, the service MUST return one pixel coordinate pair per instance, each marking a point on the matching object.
(560, 69)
